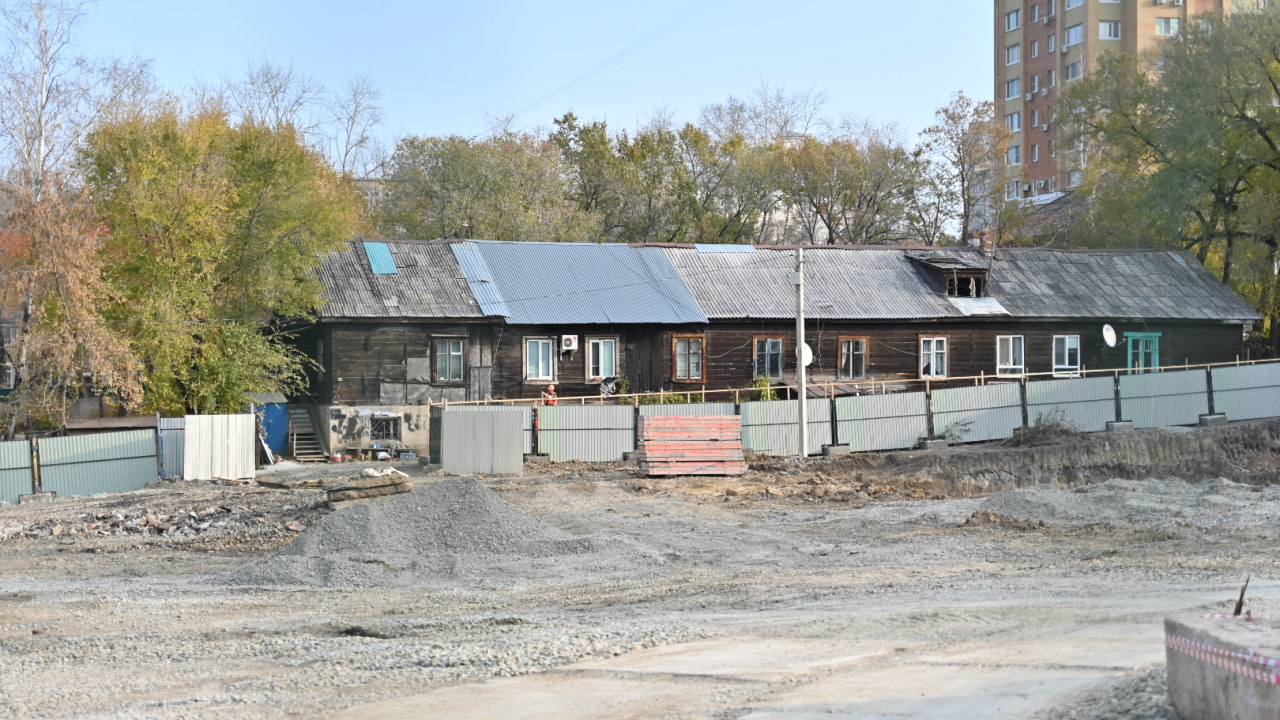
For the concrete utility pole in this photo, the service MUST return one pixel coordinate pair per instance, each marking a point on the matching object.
(801, 384)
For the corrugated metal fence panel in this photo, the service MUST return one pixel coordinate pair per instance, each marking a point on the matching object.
(173, 444)
(702, 408)
(973, 414)
(219, 446)
(881, 422)
(16, 475)
(1163, 399)
(96, 464)
(482, 442)
(1088, 404)
(1247, 392)
(591, 433)
(771, 427)
(526, 419)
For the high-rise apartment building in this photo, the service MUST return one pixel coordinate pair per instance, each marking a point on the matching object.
(1042, 46)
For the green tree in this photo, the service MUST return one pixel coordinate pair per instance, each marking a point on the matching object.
(214, 234)
(965, 146)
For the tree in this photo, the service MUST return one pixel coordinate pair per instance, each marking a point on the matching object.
(966, 149)
(214, 232)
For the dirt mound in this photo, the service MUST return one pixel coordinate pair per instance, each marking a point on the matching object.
(430, 531)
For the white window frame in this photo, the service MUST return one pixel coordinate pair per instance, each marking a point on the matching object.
(1073, 35)
(450, 356)
(1108, 29)
(1012, 20)
(1035, 48)
(1035, 118)
(1011, 356)
(1053, 42)
(1077, 67)
(933, 349)
(1013, 54)
(602, 354)
(1063, 345)
(545, 350)
(1074, 3)
(1013, 121)
(1011, 190)
(1035, 14)
(1053, 78)
(772, 348)
(689, 355)
(1170, 26)
(1053, 7)
(1035, 84)
(852, 348)
(1013, 88)
(1014, 155)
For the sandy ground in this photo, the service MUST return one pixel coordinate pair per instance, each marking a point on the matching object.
(783, 595)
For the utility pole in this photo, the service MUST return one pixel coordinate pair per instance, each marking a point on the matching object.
(801, 384)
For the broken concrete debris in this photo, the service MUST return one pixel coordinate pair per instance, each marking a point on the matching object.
(368, 485)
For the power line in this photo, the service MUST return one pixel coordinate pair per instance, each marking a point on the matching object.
(661, 31)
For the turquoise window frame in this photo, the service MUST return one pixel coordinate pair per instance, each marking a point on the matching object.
(1135, 348)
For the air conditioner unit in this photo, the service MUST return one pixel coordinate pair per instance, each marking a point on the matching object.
(1040, 184)
(1045, 127)
(1044, 92)
(1026, 187)
(568, 343)
(1045, 20)
(1159, 2)
(1028, 96)
(1066, 49)
(1177, 2)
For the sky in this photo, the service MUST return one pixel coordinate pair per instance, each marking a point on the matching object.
(453, 68)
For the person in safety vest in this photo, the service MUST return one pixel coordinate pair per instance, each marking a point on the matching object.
(549, 395)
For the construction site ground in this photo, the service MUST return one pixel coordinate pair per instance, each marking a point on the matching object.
(1000, 581)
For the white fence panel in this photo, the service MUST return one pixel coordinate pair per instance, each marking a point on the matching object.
(526, 419)
(772, 427)
(1247, 392)
(219, 446)
(973, 414)
(1087, 404)
(881, 422)
(1163, 399)
(590, 433)
(173, 445)
(482, 442)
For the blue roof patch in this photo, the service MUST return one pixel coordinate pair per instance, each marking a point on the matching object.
(380, 259)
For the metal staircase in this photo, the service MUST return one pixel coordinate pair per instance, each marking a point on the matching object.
(303, 442)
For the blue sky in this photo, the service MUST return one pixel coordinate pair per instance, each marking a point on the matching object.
(448, 68)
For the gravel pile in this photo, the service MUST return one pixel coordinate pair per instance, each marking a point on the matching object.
(1140, 696)
(438, 529)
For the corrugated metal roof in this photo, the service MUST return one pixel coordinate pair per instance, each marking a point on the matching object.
(575, 283)
(429, 284)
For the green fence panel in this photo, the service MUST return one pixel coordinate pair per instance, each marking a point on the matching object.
(98, 464)
(16, 474)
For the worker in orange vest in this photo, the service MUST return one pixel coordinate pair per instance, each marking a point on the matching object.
(549, 395)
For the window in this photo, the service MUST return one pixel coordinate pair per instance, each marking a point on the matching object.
(1053, 39)
(1144, 352)
(1009, 357)
(853, 358)
(1035, 85)
(1012, 20)
(769, 358)
(1066, 355)
(1074, 3)
(384, 429)
(1013, 54)
(1053, 78)
(1166, 26)
(1053, 148)
(1014, 156)
(1011, 190)
(1035, 48)
(962, 286)
(1053, 183)
(448, 360)
(1073, 71)
(602, 354)
(1012, 88)
(539, 356)
(688, 358)
(1109, 30)
(1013, 121)
(1035, 152)
(1035, 118)
(1035, 13)
(1074, 35)
(1053, 7)
(933, 357)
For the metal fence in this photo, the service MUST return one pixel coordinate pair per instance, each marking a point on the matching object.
(17, 470)
(1247, 392)
(974, 414)
(482, 442)
(591, 433)
(881, 422)
(1086, 404)
(97, 464)
(219, 446)
(1163, 399)
(526, 420)
(771, 427)
(173, 444)
(686, 409)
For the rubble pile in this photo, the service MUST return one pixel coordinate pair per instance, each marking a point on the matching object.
(367, 485)
(142, 521)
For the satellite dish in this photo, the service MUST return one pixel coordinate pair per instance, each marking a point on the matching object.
(806, 355)
(1109, 335)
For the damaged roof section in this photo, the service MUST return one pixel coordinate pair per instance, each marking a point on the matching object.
(422, 280)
